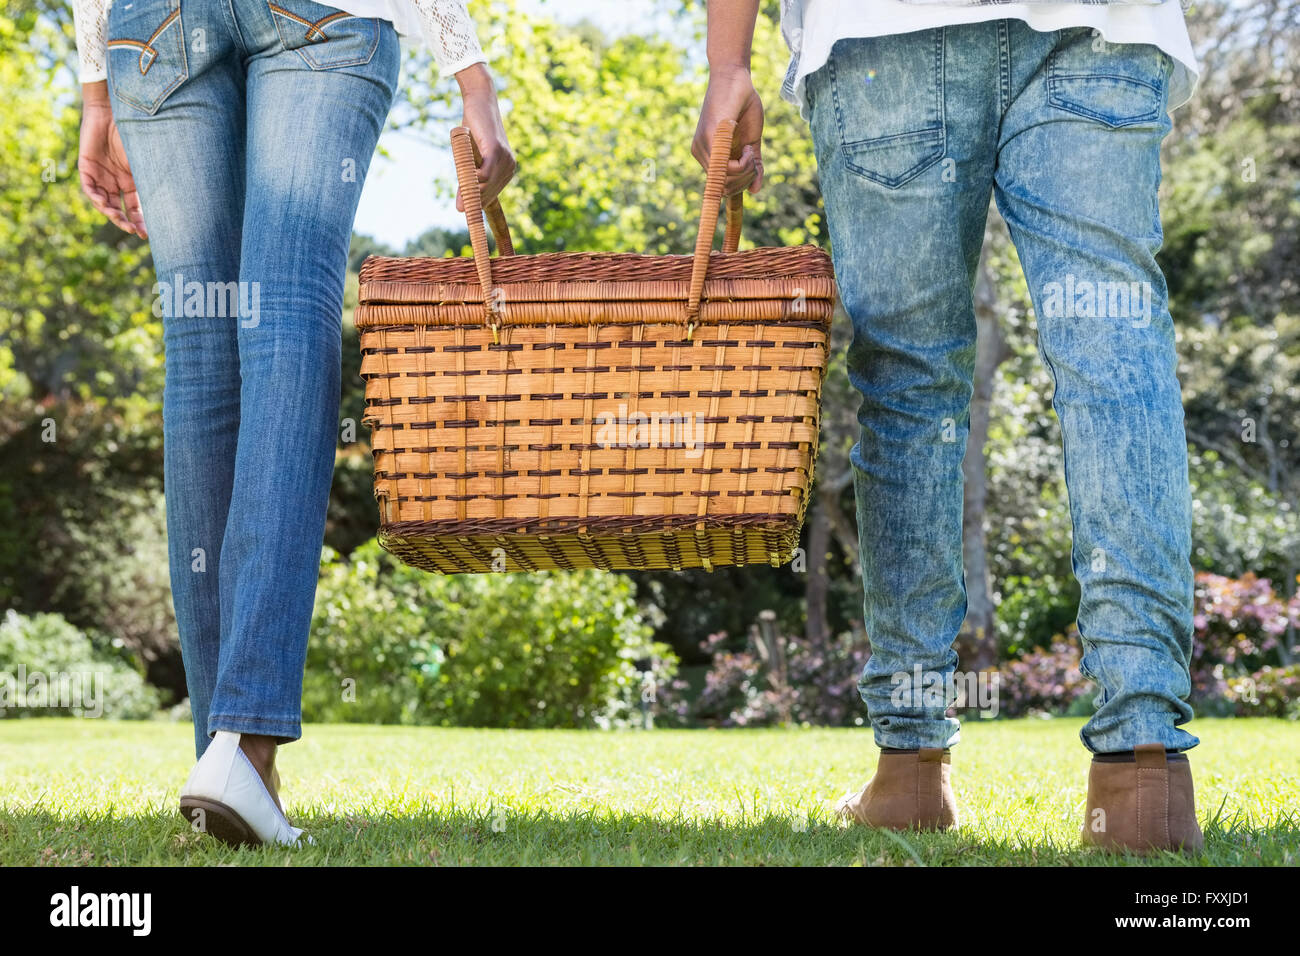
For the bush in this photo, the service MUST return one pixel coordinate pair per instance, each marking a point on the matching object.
(1240, 630)
(83, 528)
(1035, 610)
(1237, 666)
(371, 656)
(1269, 692)
(392, 644)
(1237, 525)
(1044, 680)
(117, 576)
(48, 668)
(820, 686)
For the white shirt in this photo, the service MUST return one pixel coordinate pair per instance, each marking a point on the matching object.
(811, 28)
(445, 25)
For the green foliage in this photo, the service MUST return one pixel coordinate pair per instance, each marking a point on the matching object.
(602, 129)
(1232, 216)
(1238, 526)
(1045, 681)
(1033, 609)
(490, 650)
(44, 660)
(369, 628)
(82, 530)
(75, 292)
(80, 371)
(1269, 692)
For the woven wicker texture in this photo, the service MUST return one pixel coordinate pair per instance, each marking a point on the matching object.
(574, 410)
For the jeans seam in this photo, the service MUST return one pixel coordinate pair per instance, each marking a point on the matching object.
(1004, 66)
(254, 718)
(835, 98)
(940, 38)
(235, 31)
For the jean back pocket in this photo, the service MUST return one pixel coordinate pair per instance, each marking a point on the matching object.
(1118, 84)
(889, 104)
(325, 37)
(146, 52)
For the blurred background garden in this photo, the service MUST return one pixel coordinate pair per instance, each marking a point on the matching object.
(602, 137)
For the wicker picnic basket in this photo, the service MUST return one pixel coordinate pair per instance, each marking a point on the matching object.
(574, 410)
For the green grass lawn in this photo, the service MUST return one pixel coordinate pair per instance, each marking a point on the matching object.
(95, 792)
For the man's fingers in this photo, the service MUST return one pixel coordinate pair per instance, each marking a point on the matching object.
(740, 173)
(743, 171)
(701, 146)
(757, 184)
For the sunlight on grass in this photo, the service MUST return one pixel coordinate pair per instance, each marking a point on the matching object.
(101, 792)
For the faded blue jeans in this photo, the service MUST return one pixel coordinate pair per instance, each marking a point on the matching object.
(249, 132)
(913, 132)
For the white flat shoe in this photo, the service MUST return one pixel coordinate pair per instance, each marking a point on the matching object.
(225, 797)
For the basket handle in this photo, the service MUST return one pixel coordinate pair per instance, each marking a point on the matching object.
(465, 154)
(714, 182)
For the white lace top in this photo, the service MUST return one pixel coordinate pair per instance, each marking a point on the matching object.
(445, 24)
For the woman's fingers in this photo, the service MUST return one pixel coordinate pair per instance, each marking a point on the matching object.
(106, 199)
(497, 170)
(94, 192)
(134, 211)
(702, 145)
(745, 172)
(105, 173)
(125, 182)
(496, 163)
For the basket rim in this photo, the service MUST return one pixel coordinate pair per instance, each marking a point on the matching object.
(763, 273)
(754, 252)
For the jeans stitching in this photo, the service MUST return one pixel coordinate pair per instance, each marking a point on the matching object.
(173, 18)
(938, 134)
(277, 12)
(1056, 76)
(1004, 66)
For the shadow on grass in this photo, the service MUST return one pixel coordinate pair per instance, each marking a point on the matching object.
(501, 836)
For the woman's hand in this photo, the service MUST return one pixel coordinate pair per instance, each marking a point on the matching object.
(101, 161)
(731, 96)
(483, 118)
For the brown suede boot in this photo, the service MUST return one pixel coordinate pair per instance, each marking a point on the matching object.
(1142, 803)
(911, 790)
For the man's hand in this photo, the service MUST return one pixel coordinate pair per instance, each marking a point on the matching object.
(101, 161)
(731, 96)
(483, 118)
